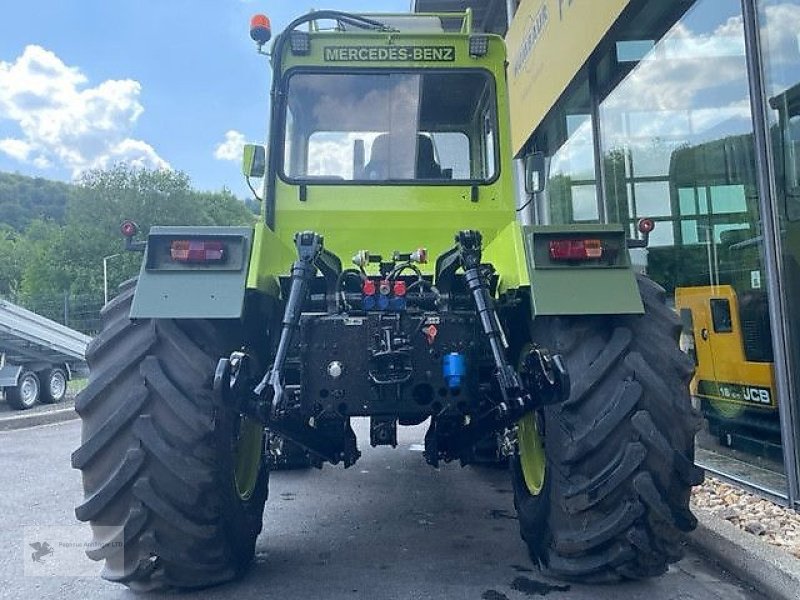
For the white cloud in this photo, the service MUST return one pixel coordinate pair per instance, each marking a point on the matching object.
(17, 149)
(705, 72)
(136, 153)
(40, 162)
(331, 154)
(65, 123)
(231, 148)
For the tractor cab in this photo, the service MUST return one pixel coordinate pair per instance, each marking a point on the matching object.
(375, 118)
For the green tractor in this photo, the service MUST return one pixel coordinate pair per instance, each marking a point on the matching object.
(389, 150)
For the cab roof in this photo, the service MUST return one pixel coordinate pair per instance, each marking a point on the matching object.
(447, 22)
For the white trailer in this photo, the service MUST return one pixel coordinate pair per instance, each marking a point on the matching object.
(37, 356)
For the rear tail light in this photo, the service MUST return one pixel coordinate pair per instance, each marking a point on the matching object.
(576, 249)
(197, 251)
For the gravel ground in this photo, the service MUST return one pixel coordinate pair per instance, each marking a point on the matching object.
(772, 523)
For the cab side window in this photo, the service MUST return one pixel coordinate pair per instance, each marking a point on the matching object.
(721, 315)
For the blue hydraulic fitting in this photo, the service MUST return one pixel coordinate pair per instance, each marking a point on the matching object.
(369, 302)
(454, 367)
(398, 303)
(383, 302)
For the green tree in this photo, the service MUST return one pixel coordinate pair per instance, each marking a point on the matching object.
(10, 261)
(224, 208)
(57, 256)
(24, 199)
(103, 199)
(45, 270)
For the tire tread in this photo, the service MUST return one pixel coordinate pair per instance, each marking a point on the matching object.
(620, 450)
(155, 459)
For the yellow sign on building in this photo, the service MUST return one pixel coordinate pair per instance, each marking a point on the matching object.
(548, 42)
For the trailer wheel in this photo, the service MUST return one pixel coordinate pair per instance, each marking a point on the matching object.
(611, 500)
(174, 484)
(26, 393)
(54, 385)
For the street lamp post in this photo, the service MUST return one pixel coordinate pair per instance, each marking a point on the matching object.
(105, 276)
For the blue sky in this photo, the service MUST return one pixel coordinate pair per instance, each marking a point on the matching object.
(86, 83)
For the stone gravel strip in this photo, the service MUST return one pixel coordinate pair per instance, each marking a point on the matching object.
(752, 538)
(762, 518)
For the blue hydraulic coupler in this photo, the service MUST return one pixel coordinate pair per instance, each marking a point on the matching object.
(454, 367)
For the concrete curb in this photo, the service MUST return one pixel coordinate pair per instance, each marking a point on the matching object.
(774, 573)
(24, 419)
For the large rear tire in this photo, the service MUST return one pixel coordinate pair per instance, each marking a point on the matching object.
(612, 499)
(174, 485)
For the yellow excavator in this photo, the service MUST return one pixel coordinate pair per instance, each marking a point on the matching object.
(725, 310)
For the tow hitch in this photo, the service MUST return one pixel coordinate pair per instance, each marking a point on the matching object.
(547, 381)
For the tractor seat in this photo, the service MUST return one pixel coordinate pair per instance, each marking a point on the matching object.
(381, 157)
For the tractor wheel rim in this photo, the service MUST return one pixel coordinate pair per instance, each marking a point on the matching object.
(531, 454)
(29, 390)
(530, 446)
(248, 456)
(58, 385)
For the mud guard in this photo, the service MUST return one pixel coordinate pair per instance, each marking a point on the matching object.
(605, 286)
(168, 289)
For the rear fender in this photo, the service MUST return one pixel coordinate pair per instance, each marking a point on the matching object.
(597, 287)
(179, 290)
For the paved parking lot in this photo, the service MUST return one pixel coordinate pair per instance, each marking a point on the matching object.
(388, 528)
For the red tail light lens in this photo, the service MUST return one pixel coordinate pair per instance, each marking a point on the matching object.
(576, 249)
(197, 251)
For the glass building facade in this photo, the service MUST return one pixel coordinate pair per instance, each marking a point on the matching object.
(688, 112)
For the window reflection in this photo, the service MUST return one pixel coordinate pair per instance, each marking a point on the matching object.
(786, 144)
(780, 41)
(568, 144)
(677, 145)
(689, 89)
(393, 126)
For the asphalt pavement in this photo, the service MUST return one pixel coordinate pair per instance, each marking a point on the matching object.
(391, 527)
